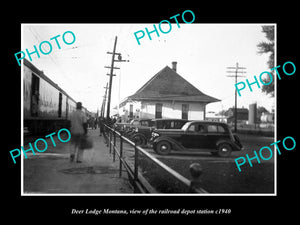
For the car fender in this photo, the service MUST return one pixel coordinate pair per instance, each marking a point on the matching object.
(234, 146)
(221, 141)
(138, 134)
(175, 144)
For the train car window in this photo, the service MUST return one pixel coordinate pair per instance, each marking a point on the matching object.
(35, 92)
(59, 104)
(67, 108)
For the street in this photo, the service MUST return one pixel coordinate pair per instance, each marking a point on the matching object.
(220, 175)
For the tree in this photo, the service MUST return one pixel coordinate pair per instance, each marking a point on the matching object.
(268, 48)
(261, 109)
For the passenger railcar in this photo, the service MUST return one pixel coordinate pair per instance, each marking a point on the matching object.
(46, 107)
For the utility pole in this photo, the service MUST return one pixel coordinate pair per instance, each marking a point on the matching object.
(237, 73)
(111, 73)
(104, 101)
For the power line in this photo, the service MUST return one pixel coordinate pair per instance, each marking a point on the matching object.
(237, 73)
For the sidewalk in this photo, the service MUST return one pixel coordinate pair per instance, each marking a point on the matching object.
(52, 173)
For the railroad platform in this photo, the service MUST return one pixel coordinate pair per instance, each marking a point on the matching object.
(52, 172)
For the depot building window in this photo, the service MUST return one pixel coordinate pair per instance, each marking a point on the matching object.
(185, 111)
(130, 111)
(158, 110)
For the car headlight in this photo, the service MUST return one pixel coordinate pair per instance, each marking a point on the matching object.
(154, 134)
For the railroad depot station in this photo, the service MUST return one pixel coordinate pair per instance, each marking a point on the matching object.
(166, 95)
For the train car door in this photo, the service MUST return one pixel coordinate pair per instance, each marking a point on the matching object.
(59, 104)
(35, 92)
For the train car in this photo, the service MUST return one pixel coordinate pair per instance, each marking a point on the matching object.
(46, 107)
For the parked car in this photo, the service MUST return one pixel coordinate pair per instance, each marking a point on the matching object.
(142, 134)
(123, 127)
(143, 123)
(214, 137)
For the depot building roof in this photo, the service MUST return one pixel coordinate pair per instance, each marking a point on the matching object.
(168, 85)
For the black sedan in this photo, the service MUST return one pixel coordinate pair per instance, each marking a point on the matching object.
(209, 136)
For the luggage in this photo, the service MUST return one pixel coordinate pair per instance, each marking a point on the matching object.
(86, 143)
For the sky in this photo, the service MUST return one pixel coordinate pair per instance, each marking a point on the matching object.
(202, 53)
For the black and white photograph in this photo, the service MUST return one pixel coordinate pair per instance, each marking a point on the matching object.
(162, 117)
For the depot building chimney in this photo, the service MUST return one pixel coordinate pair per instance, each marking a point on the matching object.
(174, 66)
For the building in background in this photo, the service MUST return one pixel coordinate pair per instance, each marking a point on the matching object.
(215, 117)
(166, 95)
(242, 115)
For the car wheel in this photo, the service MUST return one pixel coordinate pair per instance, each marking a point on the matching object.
(224, 150)
(139, 140)
(163, 148)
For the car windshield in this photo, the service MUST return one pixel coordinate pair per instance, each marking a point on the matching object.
(186, 125)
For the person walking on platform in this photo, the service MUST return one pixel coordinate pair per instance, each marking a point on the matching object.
(78, 130)
(101, 125)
